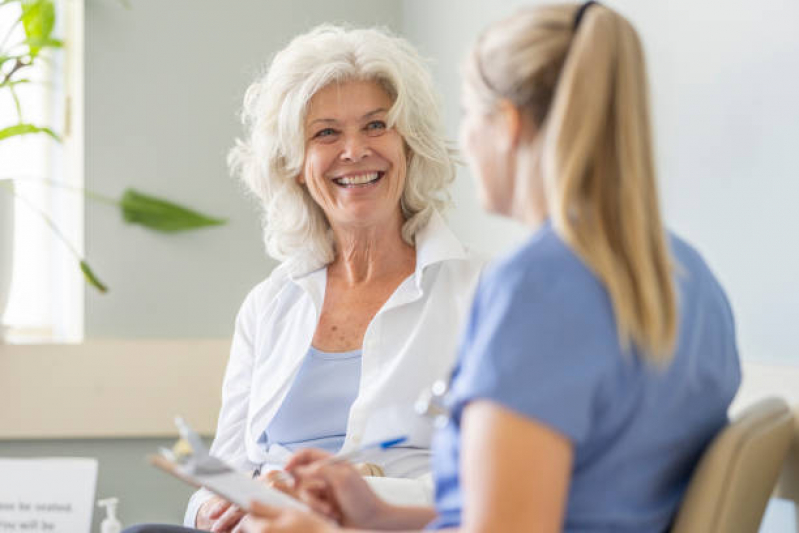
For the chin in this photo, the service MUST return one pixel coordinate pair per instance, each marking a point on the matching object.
(492, 206)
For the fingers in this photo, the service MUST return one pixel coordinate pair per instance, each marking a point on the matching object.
(228, 520)
(308, 489)
(268, 519)
(262, 510)
(305, 457)
(274, 476)
(242, 526)
(254, 525)
(317, 497)
(280, 480)
(217, 508)
(209, 511)
(334, 475)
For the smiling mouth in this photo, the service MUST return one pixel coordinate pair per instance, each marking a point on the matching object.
(359, 180)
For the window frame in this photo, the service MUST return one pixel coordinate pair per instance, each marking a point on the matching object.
(64, 319)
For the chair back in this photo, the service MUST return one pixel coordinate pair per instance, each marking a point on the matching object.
(736, 475)
(788, 482)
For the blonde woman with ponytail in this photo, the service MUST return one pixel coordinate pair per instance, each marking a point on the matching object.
(600, 356)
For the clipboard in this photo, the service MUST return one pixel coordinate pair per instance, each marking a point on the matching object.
(201, 469)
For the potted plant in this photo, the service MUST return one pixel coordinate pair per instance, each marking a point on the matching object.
(36, 19)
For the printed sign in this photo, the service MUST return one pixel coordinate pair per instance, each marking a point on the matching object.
(55, 495)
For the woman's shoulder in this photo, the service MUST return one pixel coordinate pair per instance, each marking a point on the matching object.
(544, 262)
(267, 291)
(701, 292)
(694, 274)
(688, 260)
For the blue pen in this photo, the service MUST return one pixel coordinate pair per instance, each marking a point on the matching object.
(381, 445)
(342, 457)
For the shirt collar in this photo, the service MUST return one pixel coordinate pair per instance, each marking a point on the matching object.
(435, 243)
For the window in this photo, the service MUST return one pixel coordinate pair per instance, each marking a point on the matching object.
(46, 297)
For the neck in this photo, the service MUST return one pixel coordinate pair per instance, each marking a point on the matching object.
(529, 202)
(371, 253)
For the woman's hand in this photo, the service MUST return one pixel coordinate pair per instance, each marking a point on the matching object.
(280, 480)
(266, 519)
(369, 469)
(336, 490)
(218, 515)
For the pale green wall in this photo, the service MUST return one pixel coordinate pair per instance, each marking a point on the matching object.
(164, 83)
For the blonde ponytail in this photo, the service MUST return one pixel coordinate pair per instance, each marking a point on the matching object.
(594, 148)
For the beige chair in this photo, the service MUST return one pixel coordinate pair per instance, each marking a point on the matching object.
(734, 479)
(788, 484)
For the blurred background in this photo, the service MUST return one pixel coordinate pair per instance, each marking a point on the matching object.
(160, 83)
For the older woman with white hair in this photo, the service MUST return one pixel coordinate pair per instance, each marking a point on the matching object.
(345, 151)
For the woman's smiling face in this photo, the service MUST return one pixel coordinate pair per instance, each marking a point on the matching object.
(354, 164)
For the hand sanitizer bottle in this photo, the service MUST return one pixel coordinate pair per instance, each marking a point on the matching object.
(110, 524)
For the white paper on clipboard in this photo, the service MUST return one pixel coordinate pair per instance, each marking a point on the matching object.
(204, 470)
(234, 486)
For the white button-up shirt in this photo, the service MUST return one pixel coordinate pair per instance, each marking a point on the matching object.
(410, 343)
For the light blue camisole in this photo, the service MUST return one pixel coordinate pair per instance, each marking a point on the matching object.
(315, 411)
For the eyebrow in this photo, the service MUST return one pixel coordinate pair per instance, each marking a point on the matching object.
(370, 114)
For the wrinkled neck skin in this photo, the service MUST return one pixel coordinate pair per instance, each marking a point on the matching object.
(371, 253)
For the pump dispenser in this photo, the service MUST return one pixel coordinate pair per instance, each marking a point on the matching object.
(110, 524)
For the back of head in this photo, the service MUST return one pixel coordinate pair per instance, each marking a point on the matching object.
(585, 89)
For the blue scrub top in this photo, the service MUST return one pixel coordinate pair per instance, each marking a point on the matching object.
(542, 341)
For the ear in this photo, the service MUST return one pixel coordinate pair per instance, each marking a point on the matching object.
(510, 122)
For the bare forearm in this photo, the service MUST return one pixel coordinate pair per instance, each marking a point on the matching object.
(402, 518)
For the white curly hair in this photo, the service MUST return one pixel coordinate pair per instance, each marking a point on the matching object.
(270, 156)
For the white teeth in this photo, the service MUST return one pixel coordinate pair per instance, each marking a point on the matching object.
(359, 179)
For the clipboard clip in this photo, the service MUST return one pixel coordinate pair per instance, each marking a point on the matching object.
(191, 453)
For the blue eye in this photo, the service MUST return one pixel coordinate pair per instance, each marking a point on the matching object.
(376, 125)
(327, 132)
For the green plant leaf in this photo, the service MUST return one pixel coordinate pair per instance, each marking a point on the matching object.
(24, 129)
(162, 215)
(91, 277)
(38, 19)
(14, 83)
(17, 103)
(43, 42)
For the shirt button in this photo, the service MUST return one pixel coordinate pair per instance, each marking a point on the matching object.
(356, 439)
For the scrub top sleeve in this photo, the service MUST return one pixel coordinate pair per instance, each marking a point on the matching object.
(528, 347)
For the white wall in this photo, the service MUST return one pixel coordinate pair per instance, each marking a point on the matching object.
(725, 80)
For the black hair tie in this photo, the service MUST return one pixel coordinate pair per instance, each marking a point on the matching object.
(580, 12)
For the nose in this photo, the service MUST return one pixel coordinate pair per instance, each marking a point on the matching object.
(355, 148)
